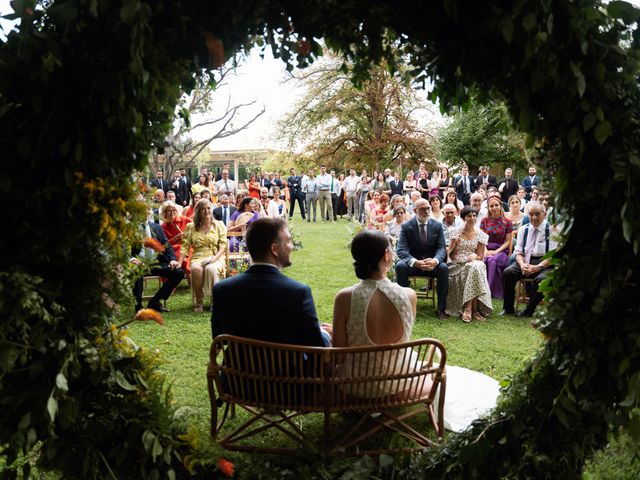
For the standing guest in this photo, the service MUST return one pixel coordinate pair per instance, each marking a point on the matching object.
(187, 181)
(381, 185)
(276, 181)
(324, 181)
(422, 252)
(208, 238)
(173, 225)
(264, 180)
(450, 220)
(188, 212)
(364, 186)
(424, 184)
(310, 190)
(225, 211)
(530, 181)
(452, 198)
(295, 193)
(294, 321)
(436, 207)
(159, 182)
(485, 178)
(277, 207)
(534, 242)
(377, 214)
(225, 166)
(515, 215)
(445, 181)
(225, 185)
(499, 229)
(465, 185)
(335, 194)
(435, 184)
(469, 293)
(163, 264)
(253, 186)
(179, 186)
(396, 185)
(508, 186)
(410, 184)
(342, 198)
(351, 184)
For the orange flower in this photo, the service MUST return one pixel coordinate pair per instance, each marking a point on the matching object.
(149, 314)
(226, 467)
(154, 244)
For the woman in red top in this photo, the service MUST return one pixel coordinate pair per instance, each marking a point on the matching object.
(496, 257)
(253, 186)
(173, 225)
(188, 211)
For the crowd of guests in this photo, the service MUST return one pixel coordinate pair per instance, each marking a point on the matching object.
(471, 224)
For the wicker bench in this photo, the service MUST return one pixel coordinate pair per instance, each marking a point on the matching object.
(275, 383)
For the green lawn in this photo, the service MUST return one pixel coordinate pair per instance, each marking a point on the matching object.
(497, 347)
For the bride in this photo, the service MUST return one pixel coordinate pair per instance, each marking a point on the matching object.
(378, 312)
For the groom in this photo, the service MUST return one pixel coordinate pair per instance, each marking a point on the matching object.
(238, 302)
(422, 252)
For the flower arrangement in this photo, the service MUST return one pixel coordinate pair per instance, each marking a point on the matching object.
(154, 244)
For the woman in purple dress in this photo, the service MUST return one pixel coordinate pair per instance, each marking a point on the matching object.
(499, 229)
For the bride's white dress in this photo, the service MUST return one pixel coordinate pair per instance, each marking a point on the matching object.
(469, 394)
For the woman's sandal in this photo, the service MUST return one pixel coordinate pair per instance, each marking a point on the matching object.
(466, 317)
(198, 309)
(478, 317)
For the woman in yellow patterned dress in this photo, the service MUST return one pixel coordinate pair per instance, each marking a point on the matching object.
(208, 239)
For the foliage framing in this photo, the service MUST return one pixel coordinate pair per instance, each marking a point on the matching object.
(89, 85)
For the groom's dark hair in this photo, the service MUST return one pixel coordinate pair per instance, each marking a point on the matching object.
(261, 234)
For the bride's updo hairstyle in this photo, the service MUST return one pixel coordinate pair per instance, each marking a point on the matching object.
(367, 249)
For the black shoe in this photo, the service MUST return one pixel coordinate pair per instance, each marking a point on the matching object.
(525, 313)
(506, 312)
(442, 315)
(138, 308)
(158, 307)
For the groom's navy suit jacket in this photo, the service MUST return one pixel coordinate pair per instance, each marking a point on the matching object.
(264, 304)
(410, 246)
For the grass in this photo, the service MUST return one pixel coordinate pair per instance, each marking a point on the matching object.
(497, 347)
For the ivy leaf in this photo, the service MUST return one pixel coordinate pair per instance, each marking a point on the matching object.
(588, 121)
(148, 437)
(623, 11)
(61, 383)
(581, 82)
(52, 407)
(157, 449)
(602, 132)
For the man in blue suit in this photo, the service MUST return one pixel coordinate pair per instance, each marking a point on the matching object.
(422, 251)
(465, 185)
(291, 317)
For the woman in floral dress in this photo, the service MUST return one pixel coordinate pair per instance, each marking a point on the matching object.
(469, 294)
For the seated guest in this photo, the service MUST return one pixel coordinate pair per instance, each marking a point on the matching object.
(476, 202)
(392, 227)
(225, 211)
(413, 198)
(436, 207)
(386, 317)
(240, 219)
(523, 201)
(188, 211)
(450, 220)
(395, 202)
(208, 238)
(496, 257)
(171, 197)
(376, 215)
(515, 214)
(451, 197)
(469, 292)
(163, 263)
(173, 225)
(293, 320)
(534, 241)
(422, 252)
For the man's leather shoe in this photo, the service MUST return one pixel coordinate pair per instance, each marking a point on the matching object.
(442, 315)
(158, 307)
(506, 312)
(525, 313)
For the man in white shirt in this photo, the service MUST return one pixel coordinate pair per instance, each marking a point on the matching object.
(224, 211)
(476, 204)
(351, 187)
(324, 194)
(534, 241)
(335, 192)
(225, 185)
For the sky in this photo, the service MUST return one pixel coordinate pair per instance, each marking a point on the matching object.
(255, 79)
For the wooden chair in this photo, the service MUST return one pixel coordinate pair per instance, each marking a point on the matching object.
(431, 287)
(523, 286)
(275, 383)
(146, 280)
